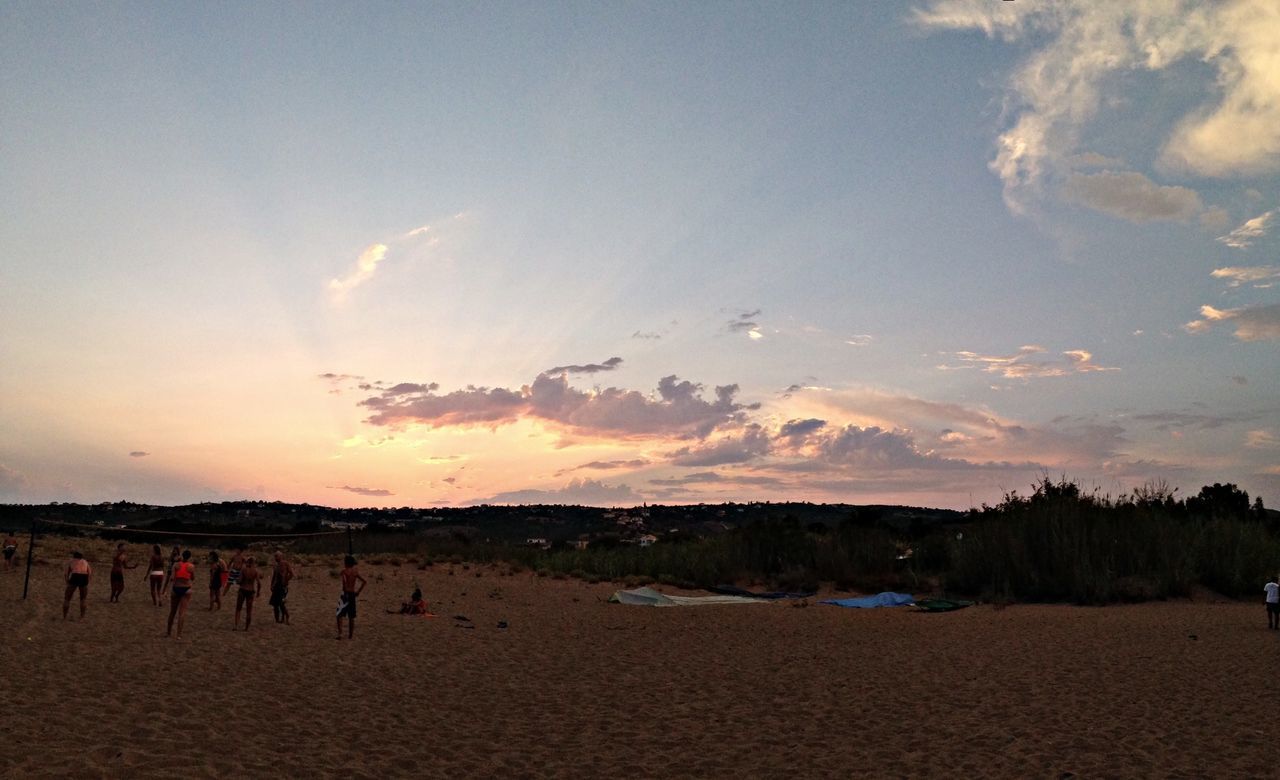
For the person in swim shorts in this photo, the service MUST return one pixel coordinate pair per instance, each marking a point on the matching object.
(155, 575)
(281, 574)
(233, 570)
(184, 577)
(217, 570)
(77, 576)
(250, 588)
(347, 603)
(10, 550)
(119, 562)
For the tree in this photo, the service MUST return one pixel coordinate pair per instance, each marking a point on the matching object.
(1220, 501)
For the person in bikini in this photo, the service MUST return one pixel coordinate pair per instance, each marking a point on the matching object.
(77, 576)
(281, 574)
(184, 576)
(347, 604)
(119, 562)
(175, 557)
(10, 550)
(250, 588)
(155, 575)
(217, 571)
(233, 570)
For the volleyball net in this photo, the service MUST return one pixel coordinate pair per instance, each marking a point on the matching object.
(213, 537)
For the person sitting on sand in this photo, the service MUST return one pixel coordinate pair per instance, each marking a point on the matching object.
(347, 602)
(10, 550)
(233, 570)
(155, 574)
(250, 588)
(217, 570)
(416, 605)
(1272, 589)
(77, 576)
(281, 574)
(119, 562)
(184, 576)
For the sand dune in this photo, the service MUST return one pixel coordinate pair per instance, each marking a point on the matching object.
(576, 687)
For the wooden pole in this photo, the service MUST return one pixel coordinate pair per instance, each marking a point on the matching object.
(26, 583)
(350, 549)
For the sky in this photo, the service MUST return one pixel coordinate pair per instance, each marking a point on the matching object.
(610, 253)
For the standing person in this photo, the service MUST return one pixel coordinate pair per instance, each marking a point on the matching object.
(217, 569)
(119, 562)
(155, 575)
(1272, 589)
(281, 574)
(184, 576)
(250, 588)
(77, 576)
(10, 549)
(175, 557)
(347, 603)
(233, 570)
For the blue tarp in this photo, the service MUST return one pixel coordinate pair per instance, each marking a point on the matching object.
(886, 599)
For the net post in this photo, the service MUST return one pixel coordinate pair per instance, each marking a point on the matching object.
(26, 583)
(350, 549)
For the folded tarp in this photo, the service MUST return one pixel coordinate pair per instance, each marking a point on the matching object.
(733, 590)
(886, 599)
(942, 605)
(648, 597)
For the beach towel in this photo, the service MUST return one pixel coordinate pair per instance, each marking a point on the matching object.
(648, 597)
(886, 599)
(941, 605)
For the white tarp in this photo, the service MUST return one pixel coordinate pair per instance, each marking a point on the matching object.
(648, 597)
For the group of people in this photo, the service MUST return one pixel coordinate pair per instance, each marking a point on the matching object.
(177, 577)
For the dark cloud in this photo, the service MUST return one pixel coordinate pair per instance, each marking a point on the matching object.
(799, 429)
(362, 491)
(606, 465)
(585, 492)
(679, 409)
(138, 454)
(752, 443)
(1240, 380)
(647, 335)
(1169, 420)
(590, 368)
(744, 322)
(712, 477)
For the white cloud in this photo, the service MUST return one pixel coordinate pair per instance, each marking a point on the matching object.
(1132, 196)
(1261, 440)
(366, 264)
(1253, 323)
(1078, 45)
(1244, 236)
(1245, 274)
(860, 340)
(1027, 363)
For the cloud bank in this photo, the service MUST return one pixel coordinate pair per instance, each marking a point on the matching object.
(677, 410)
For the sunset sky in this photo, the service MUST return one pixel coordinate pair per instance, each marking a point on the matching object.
(612, 253)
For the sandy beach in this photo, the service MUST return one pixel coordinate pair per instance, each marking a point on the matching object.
(578, 687)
